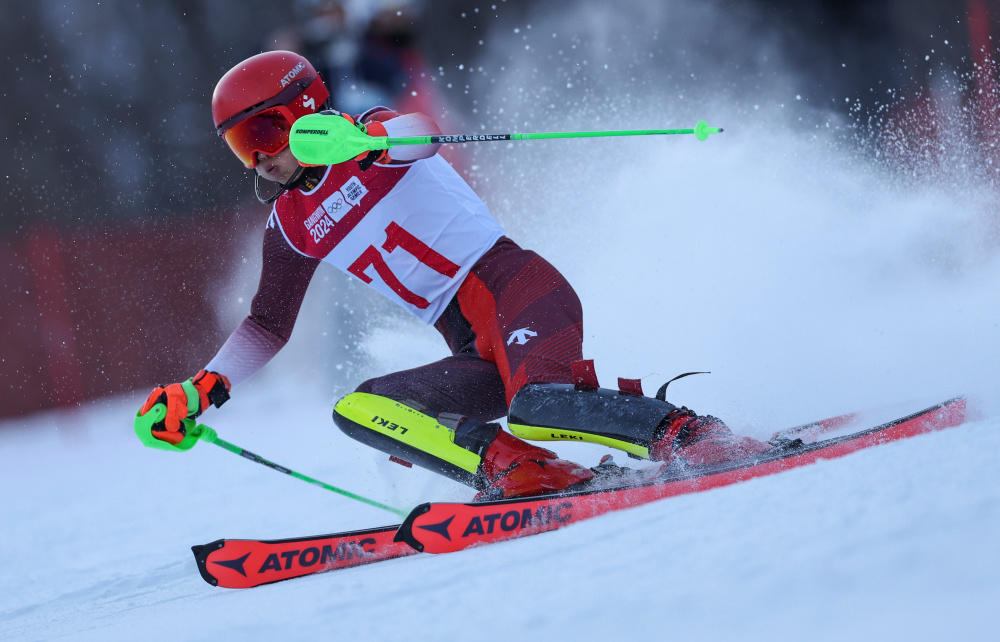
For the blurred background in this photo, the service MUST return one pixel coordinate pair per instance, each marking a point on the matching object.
(129, 235)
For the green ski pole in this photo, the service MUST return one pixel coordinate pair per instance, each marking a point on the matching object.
(194, 432)
(328, 139)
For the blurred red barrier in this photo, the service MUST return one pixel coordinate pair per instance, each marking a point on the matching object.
(103, 311)
(57, 330)
(984, 69)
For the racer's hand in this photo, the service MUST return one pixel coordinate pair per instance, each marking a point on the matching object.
(186, 400)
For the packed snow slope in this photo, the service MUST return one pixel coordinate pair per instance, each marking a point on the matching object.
(809, 278)
(893, 543)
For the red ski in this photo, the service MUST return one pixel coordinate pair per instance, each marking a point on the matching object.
(243, 563)
(445, 528)
(811, 431)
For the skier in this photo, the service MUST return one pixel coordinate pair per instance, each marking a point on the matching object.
(409, 226)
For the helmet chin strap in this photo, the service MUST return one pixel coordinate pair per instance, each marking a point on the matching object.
(293, 182)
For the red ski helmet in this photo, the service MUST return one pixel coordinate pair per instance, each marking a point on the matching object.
(256, 102)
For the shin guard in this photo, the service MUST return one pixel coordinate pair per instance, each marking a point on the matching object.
(555, 411)
(406, 433)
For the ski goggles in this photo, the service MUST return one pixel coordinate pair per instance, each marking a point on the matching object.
(265, 132)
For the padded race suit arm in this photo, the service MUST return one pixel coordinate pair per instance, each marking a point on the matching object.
(285, 275)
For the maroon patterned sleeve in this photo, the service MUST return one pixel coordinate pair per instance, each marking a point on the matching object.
(284, 277)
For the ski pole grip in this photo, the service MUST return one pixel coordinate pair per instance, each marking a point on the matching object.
(328, 139)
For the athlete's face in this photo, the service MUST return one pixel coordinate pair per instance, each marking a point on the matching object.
(278, 168)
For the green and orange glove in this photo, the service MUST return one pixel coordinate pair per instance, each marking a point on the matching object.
(185, 401)
(376, 129)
